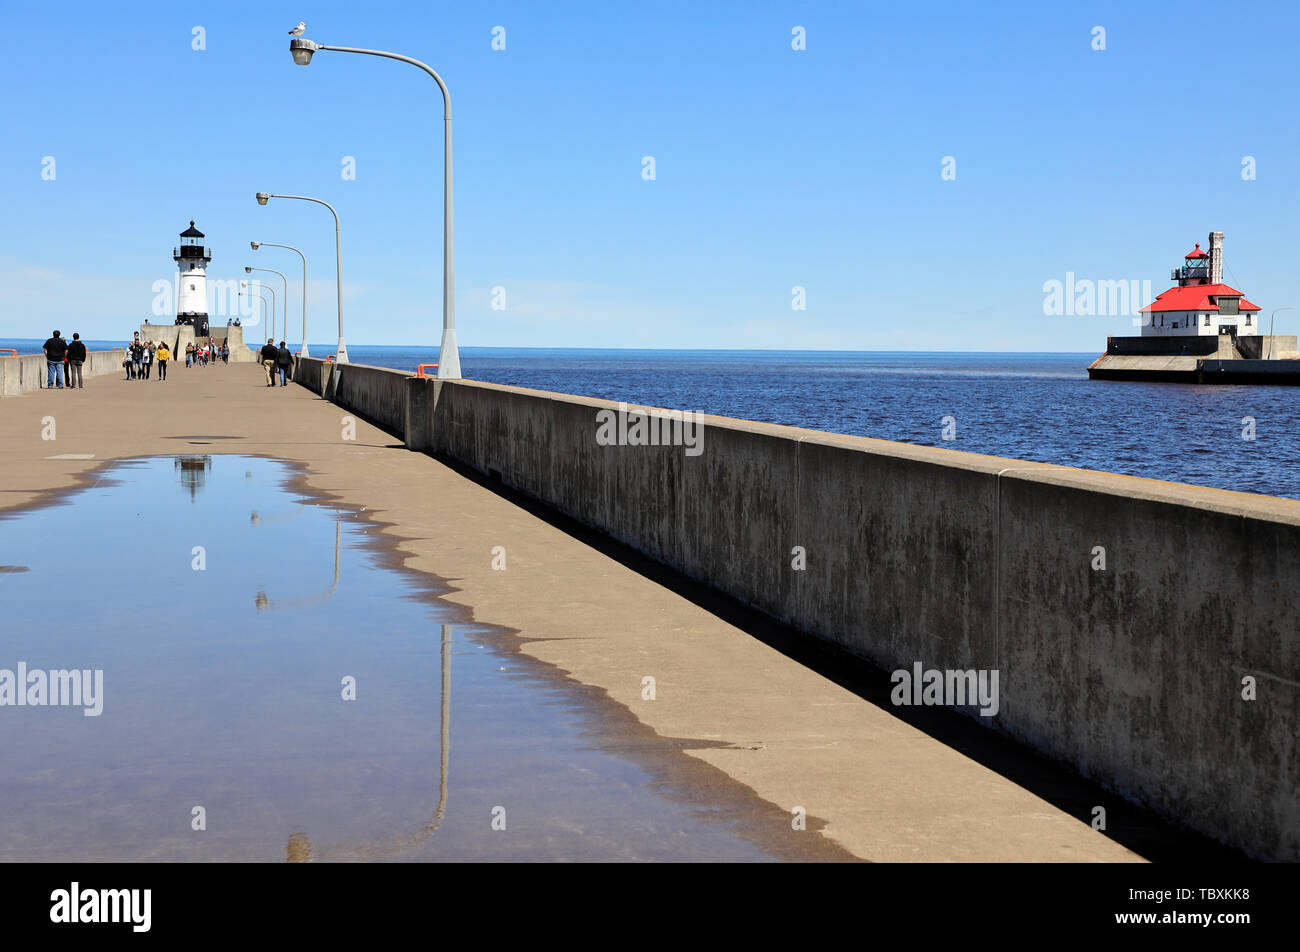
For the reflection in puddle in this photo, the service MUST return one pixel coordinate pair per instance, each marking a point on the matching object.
(194, 472)
(263, 602)
(253, 712)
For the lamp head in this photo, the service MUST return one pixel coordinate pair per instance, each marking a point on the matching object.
(263, 197)
(254, 245)
(248, 271)
(301, 50)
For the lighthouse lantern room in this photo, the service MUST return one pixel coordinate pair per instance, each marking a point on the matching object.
(1201, 304)
(192, 258)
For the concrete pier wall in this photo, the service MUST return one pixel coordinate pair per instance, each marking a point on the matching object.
(20, 374)
(376, 394)
(178, 336)
(1126, 617)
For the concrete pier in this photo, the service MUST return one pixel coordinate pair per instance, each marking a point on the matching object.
(1214, 360)
(178, 336)
(29, 372)
(879, 783)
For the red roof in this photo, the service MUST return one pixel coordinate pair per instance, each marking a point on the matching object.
(1197, 253)
(1196, 297)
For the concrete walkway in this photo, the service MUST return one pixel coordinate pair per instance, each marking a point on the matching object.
(875, 786)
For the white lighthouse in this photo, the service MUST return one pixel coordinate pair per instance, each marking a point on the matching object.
(192, 259)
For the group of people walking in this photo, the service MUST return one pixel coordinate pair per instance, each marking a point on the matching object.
(202, 354)
(276, 358)
(63, 360)
(141, 356)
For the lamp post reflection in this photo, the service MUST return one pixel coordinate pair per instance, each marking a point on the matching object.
(299, 848)
(263, 603)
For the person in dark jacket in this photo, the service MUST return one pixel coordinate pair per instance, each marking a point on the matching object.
(56, 348)
(270, 354)
(284, 361)
(76, 357)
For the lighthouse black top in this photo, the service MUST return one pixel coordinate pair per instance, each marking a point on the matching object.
(191, 245)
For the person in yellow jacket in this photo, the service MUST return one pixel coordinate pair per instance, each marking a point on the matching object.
(162, 355)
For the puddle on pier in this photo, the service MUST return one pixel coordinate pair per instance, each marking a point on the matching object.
(225, 610)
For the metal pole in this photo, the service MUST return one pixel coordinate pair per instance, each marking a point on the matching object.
(449, 351)
(284, 310)
(341, 356)
(271, 244)
(271, 291)
(1289, 307)
(249, 294)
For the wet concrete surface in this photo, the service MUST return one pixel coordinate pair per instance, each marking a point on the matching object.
(737, 709)
(226, 610)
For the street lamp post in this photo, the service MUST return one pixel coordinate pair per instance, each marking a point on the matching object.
(259, 297)
(257, 244)
(1289, 307)
(262, 198)
(271, 291)
(284, 308)
(448, 354)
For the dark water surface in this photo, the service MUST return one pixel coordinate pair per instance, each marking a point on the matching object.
(1037, 407)
(222, 689)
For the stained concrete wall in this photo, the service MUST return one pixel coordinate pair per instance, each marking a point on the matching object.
(375, 393)
(1275, 348)
(1131, 673)
(20, 374)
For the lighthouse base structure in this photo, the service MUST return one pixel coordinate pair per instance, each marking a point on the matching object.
(1219, 359)
(177, 336)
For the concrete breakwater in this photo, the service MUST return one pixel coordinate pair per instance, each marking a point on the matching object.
(1223, 360)
(28, 372)
(178, 336)
(1145, 633)
(20, 374)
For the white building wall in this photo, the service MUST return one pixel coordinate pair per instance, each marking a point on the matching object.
(193, 297)
(1175, 324)
(1192, 323)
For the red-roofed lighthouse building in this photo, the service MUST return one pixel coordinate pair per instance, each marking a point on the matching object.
(1201, 305)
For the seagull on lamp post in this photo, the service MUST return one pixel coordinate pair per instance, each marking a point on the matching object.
(300, 29)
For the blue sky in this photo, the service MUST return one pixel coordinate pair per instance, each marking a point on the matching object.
(775, 168)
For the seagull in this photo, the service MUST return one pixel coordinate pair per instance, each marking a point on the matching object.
(300, 29)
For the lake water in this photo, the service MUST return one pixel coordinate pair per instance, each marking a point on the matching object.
(1038, 407)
